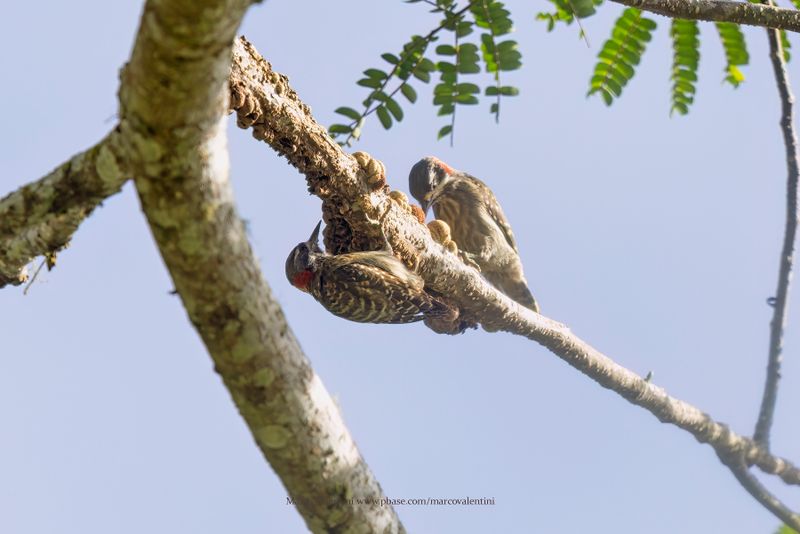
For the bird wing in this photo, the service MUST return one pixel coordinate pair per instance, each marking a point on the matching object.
(492, 207)
(364, 292)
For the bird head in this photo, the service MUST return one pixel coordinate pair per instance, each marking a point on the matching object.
(425, 176)
(302, 261)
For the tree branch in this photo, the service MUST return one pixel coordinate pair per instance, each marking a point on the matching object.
(40, 218)
(722, 11)
(174, 98)
(781, 301)
(265, 102)
(760, 493)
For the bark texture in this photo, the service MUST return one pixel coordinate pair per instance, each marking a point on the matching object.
(722, 11)
(40, 218)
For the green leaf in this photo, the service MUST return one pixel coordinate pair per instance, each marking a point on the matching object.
(446, 50)
(685, 60)
(422, 75)
(383, 116)
(734, 76)
(339, 129)
(376, 74)
(443, 89)
(509, 64)
(468, 68)
(350, 113)
(583, 8)
(444, 131)
(390, 58)
(395, 109)
(446, 109)
(427, 65)
(467, 88)
(463, 28)
(380, 96)
(735, 48)
(408, 92)
(369, 82)
(438, 100)
(620, 54)
(786, 46)
(468, 49)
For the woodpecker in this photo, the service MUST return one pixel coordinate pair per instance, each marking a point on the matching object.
(366, 287)
(477, 224)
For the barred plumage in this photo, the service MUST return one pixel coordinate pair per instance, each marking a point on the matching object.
(477, 224)
(367, 287)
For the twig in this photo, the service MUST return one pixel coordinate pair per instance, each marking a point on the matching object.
(33, 278)
(781, 300)
(580, 25)
(426, 42)
(761, 494)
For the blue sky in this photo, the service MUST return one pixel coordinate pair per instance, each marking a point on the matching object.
(655, 238)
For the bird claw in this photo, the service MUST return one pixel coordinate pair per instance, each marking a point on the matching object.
(374, 169)
(466, 257)
(440, 232)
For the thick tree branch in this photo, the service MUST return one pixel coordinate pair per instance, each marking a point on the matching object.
(173, 114)
(781, 300)
(264, 101)
(722, 11)
(40, 218)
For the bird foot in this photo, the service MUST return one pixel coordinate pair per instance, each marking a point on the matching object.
(466, 257)
(448, 320)
(374, 170)
(440, 232)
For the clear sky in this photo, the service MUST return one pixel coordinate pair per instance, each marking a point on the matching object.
(655, 238)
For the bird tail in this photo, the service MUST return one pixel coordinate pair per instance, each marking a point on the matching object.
(445, 318)
(518, 290)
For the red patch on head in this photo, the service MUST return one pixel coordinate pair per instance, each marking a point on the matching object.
(444, 166)
(302, 279)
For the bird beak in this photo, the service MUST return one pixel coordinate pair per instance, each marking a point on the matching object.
(313, 241)
(425, 203)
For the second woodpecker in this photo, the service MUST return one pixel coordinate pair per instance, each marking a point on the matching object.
(477, 224)
(367, 287)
